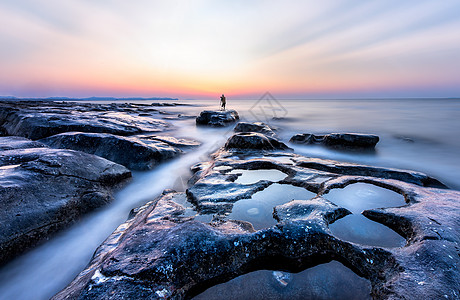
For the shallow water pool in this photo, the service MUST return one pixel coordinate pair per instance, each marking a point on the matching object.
(258, 210)
(361, 196)
(326, 281)
(356, 228)
(253, 176)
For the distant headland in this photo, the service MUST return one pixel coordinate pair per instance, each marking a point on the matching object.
(85, 99)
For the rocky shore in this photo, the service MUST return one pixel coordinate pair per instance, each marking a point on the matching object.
(61, 160)
(217, 118)
(253, 205)
(180, 244)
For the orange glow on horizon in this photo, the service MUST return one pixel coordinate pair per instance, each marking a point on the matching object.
(187, 51)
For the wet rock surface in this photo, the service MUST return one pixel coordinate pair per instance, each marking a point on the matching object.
(338, 140)
(131, 152)
(172, 141)
(217, 118)
(125, 133)
(40, 119)
(43, 190)
(254, 140)
(255, 127)
(17, 142)
(164, 252)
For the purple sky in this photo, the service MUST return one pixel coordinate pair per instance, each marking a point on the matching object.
(199, 49)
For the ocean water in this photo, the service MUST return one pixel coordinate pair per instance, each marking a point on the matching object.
(415, 134)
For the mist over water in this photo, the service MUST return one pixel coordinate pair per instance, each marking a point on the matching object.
(420, 135)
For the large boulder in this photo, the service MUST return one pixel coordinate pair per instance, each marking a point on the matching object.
(254, 127)
(338, 140)
(39, 119)
(128, 151)
(217, 118)
(43, 190)
(254, 140)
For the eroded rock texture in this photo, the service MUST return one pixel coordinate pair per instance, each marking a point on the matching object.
(123, 133)
(217, 118)
(255, 127)
(40, 119)
(338, 140)
(165, 251)
(43, 190)
(254, 140)
(131, 152)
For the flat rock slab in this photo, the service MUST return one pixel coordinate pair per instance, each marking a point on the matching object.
(163, 251)
(44, 190)
(217, 118)
(255, 127)
(338, 140)
(40, 119)
(17, 142)
(254, 140)
(170, 140)
(128, 151)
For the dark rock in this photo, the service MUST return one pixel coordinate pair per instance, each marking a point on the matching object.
(217, 118)
(159, 254)
(338, 140)
(255, 127)
(254, 140)
(128, 151)
(36, 120)
(17, 142)
(175, 142)
(310, 209)
(44, 190)
(344, 168)
(163, 251)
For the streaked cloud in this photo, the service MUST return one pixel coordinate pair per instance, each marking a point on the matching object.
(201, 48)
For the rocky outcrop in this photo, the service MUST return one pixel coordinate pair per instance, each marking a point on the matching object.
(217, 118)
(254, 140)
(128, 151)
(44, 190)
(172, 141)
(344, 168)
(40, 119)
(164, 251)
(254, 127)
(338, 140)
(17, 142)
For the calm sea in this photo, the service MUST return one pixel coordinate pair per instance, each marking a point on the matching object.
(415, 134)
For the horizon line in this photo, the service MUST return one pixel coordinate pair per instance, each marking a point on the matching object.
(108, 98)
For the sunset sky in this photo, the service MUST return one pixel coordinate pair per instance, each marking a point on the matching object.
(200, 49)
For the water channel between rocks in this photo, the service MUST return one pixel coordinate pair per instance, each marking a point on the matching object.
(357, 228)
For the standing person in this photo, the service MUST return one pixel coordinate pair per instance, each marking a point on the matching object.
(223, 101)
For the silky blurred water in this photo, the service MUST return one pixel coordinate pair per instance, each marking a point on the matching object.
(415, 134)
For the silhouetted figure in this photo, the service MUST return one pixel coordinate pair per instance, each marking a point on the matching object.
(223, 101)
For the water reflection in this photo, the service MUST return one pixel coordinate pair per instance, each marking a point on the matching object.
(356, 228)
(253, 176)
(361, 196)
(258, 210)
(326, 281)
